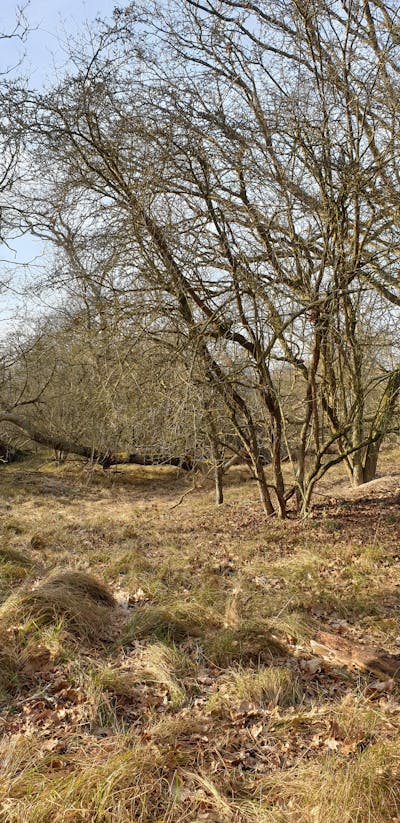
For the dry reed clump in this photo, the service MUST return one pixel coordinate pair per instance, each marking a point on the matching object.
(15, 567)
(173, 622)
(83, 583)
(8, 554)
(167, 667)
(262, 686)
(157, 663)
(11, 576)
(154, 671)
(9, 667)
(80, 600)
(251, 643)
(128, 784)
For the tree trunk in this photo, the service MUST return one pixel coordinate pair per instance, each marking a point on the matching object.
(277, 468)
(349, 653)
(364, 462)
(263, 487)
(357, 471)
(305, 498)
(218, 457)
(219, 490)
(371, 460)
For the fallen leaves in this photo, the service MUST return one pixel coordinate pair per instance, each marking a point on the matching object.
(36, 660)
(236, 567)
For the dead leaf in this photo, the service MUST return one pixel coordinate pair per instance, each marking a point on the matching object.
(137, 597)
(256, 730)
(332, 744)
(59, 684)
(37, 660)
(378, 686)
(311, 666)
(73, 696)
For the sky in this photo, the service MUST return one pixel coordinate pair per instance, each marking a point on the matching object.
(41, 55)
(50, 21)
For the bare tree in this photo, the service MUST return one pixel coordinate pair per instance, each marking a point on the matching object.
(231, 167)
(10, 133)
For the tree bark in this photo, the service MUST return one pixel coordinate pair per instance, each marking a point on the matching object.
(371, 461)
(364, 463)
(263, 487)
(218, 458)
(219, 490)
(349, 653)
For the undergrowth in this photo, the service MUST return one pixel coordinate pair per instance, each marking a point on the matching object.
(155, 663)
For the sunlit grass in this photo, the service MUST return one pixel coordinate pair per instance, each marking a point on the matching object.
(263, 686)
(194, 701)
(365, 788)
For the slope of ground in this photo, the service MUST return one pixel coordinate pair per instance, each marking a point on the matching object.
(156, 661)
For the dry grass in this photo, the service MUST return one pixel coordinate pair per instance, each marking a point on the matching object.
(356, 791)
(81, 601)
(173, 621)
(253, 643)
(158, 664)
(200, 699)
(10, 555)
(263, 687)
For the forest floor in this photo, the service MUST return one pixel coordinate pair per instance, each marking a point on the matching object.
(196, 695)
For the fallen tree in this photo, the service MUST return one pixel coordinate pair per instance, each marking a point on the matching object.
(106, 459)
(348, 653)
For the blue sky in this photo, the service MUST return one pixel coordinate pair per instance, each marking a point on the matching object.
(50, 22)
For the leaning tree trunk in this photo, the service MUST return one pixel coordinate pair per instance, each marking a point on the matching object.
(105, 459)
(263, 489)
(371, 460)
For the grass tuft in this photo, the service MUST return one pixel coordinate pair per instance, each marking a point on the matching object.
(8, 554)
(252, 643)
(334, 790)
(266, 686)
(131, 784)
(156, 663)
(81, 583)
(174, 622)
(82, 601)
(167, 667)
(9, 667)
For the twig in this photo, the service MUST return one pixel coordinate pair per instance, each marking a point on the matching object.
(189, 491)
